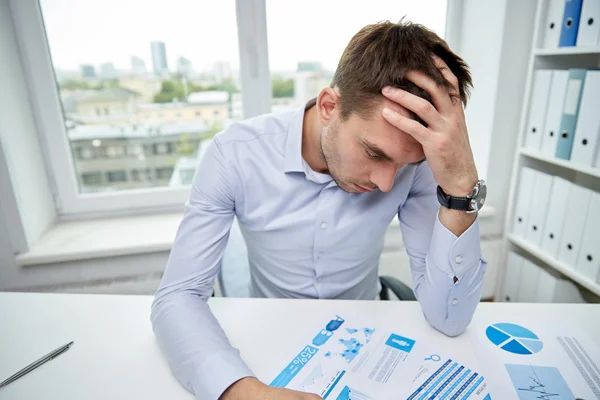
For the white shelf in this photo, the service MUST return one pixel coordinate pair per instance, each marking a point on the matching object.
(563, 51)
(557, 265)
(559, 162)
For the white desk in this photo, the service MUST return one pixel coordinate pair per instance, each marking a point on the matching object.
(115, 355)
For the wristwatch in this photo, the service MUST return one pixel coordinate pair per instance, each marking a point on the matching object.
(471, 204)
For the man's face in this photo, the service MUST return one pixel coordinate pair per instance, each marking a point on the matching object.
(364, 155)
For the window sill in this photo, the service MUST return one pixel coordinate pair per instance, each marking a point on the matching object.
(123, 236)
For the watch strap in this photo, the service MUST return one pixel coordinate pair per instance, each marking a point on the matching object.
(453, 203)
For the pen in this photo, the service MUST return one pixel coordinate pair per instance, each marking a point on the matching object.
(35, 364)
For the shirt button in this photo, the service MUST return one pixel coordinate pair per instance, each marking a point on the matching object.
(458, 259)
(454, 302)
(319, 255)
(323, 225)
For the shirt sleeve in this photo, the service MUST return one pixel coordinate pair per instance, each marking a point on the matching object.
(199, 353)
(437, 256)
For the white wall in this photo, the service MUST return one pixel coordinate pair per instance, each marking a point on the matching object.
(18, 136)
(480, 38)
(494, 38)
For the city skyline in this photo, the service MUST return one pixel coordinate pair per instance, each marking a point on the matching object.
(79, 34)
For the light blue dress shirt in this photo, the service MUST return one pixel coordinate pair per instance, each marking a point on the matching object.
(306, 238)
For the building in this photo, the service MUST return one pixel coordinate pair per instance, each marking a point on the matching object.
(109, 157)
(104, 106)
(237, 107)
(186, 167)
(159, 58)
(282, 104)
(138, 66)
(213, 113)
(88, 71)
(184, 67)
(146, 86)
(309, 80)
(108, 71)
(222, 71)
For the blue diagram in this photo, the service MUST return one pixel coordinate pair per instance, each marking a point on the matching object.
(352, 394)
(514, 338)
(538, 383)
(324, 335)
(400, 343)
(353, 347)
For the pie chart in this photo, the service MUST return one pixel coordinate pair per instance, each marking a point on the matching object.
(514, 338)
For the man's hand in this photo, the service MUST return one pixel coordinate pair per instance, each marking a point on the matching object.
(253, 389)
(445, 141)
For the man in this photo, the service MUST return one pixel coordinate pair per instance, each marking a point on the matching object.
(314, 191)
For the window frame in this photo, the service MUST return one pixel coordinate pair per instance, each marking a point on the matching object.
(45, 100)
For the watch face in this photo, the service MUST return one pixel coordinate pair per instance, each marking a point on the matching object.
(482, 195)
(479, 198)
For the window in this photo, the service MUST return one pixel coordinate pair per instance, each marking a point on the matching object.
(161, 148)
(187, 176)
(92, 178)
(116, 176)
(135, 175)
(115, 151)
(299, 69)
(85, 153)
(70, 56)
(164, 173)
(135, 150)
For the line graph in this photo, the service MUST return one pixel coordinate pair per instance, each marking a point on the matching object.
(538, 383)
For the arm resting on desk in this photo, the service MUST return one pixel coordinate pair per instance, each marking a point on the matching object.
(447, 270)
(199, 353)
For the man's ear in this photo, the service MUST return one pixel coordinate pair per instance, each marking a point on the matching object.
(328, 106)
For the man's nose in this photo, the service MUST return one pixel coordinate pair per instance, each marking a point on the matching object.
(383, 176)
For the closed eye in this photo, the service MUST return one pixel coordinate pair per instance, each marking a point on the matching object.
(371, 155)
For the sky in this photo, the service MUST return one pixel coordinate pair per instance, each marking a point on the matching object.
(96, 32)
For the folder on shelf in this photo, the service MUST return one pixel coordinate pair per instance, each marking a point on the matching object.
(539, 206)
(512, 277)
(523, 201)
(589, 24)
(570, 113)
(588, 260)
(537, 110)
(570, 23)
(587, 130)
(528, 282)
(575, 218)
(554, 17)
(551, 289)
(556, 100)
(555, 217)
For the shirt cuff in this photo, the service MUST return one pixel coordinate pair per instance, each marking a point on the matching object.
(454, 255)
(218, 372)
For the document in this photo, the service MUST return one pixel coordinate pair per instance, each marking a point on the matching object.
(351, 359)
(446, 378)
(538, 360)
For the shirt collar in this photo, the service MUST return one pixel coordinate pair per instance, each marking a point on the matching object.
(293, 146)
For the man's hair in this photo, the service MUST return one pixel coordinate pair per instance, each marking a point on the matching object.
(380, 55)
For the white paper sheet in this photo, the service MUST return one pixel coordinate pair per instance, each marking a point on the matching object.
(538, 360)
(351, 359)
